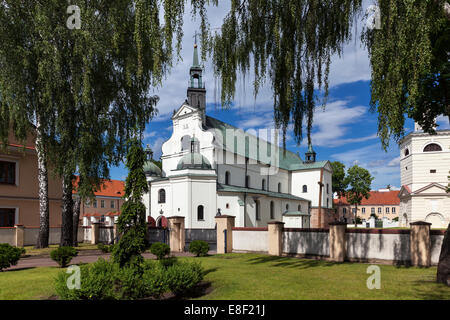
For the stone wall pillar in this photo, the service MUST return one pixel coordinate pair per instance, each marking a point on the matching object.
(176, 234)
(115, 232)
(95, 232)
(275, 237)
(337, 241)
(420, 244)
(224, 222)
(20, 230)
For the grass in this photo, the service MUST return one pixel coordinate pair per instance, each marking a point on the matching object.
(45, 252)
(253, 276)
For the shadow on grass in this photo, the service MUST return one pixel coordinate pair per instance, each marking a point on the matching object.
(17, 269)
(438, 292)
(290, 262)
(210, 270)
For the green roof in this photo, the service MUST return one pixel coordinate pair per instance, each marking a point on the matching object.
(152, 169)
(295, 213)
(228, 188)
(288, 160)
(193, 160)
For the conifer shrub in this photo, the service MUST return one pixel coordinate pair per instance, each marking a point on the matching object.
(9, 255)
(199, 248)
(63, 255)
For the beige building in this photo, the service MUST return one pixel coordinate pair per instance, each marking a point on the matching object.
(19, 187)
(384, 204)
(424, 168)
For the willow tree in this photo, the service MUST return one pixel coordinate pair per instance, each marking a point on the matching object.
(409, 54)
(85, 72)
(288, 42)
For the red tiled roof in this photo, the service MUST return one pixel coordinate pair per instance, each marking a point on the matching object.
(376, 198)
(109, 188)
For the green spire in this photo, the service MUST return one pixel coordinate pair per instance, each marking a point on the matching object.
(195, 64)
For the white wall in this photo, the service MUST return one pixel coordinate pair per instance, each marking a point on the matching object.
(313, 243)
(256, 241)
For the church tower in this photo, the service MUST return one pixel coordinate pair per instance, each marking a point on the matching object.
(196, 92)
(310, 155)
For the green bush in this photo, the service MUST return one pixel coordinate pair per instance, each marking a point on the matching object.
(395, 219)
(104, 280)
(168, 262)
(105, 248)
(181, 277)
(160, 250)
(199, 248)
(9, 255)
(63, 255)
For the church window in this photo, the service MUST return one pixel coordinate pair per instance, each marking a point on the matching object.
(299, 208)
(287, 207)
(227, 206)
(432, 147)
(200, 215)
(227, 177)
(247, 181)
(305, 188)
(272, 213)
(328, 188)
(432, 171)
(263, 186)
(279, 187)
(406, 152)
(162, 196)
(328, 202)
(258, 210)
(185, 142)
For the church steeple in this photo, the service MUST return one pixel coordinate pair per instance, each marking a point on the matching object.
(310, 155)
(196, 92)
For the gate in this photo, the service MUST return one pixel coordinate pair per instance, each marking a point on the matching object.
(158, 234)
(208, 235)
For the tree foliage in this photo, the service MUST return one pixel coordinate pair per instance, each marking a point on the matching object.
(409, 56)
(338, 178)
(131, 224)
(359, 181)
(290, 43)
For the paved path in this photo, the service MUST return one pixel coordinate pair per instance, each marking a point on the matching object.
(32, 262)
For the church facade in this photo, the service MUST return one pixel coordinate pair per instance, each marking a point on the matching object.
(424, 167)
(211, 168)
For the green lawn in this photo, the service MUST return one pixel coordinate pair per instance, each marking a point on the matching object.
(252, 276)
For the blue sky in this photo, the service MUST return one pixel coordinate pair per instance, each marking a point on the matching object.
(345, 130)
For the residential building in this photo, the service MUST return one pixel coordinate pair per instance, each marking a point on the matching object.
(384, 204)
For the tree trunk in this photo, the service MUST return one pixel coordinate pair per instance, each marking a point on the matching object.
(443, 270)
(44, 219)
(76, 219)
(67, 212)
(356, 214)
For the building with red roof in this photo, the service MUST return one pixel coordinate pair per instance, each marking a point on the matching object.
(383, 203)
(106, 205)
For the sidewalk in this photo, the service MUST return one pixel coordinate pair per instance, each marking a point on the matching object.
(32, 262)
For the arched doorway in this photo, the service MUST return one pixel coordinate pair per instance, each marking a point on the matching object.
(161, 222)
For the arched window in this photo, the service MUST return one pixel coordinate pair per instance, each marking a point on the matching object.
(299, 208)
(200, 215)
(247, 181)
(227, 177)
(272, 211)
(185, 142)
(162, 196)
(279, 187)
(287, 207)
(406, 152)
(432, 147)
(263, 185)
(305, 188)
(258, 210)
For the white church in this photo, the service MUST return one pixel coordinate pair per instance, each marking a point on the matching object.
(424, 171)
(211, 168)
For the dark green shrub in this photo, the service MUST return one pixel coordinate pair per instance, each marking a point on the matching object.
(167, 262)
(9, 255)
(105, 248)
(181, 277)
(63, 255)
(199, 248)
(160, 250)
